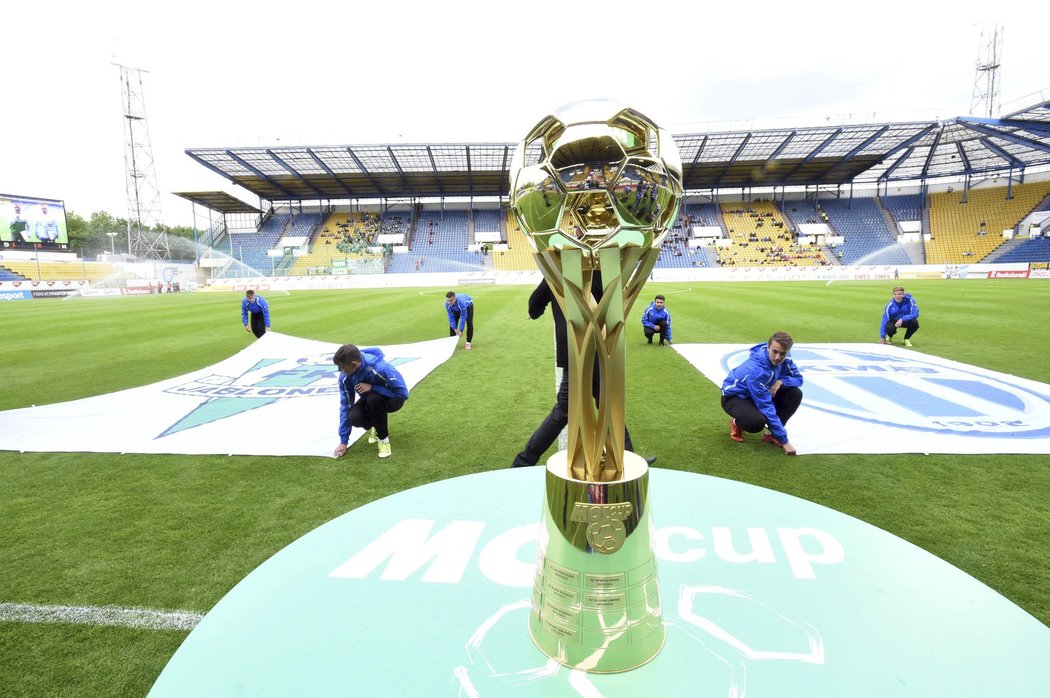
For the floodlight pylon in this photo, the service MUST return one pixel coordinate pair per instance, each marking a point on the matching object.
(986, 88)
(143, 192)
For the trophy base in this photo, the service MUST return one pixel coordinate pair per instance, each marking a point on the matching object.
(596, 596)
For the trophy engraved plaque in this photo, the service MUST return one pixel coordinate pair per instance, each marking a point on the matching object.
(595, 188)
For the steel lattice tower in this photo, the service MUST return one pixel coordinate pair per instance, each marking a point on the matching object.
(986, 87)
(143, 193)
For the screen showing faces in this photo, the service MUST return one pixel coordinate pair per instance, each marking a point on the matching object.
(29, 222)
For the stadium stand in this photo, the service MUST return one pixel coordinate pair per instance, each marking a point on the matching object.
(761, 237)
(439, 244)
(1037, 250)
(392, 222)
(913, 157)
(518, 256)
(904, 207)
(98, 273)
(8, 275)
(868, 237)
(969, 230)
(675, 254)
(323, 246)
(341, 236)
(302, 229)
(248, 250)
(487, 220)
(694, 214)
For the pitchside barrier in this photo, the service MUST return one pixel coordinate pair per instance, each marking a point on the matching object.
(504, 278)
(1035, 270)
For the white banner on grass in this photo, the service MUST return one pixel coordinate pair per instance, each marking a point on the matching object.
(277, 397)
(873, 398)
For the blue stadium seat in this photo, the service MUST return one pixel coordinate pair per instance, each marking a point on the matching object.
(1037, 250)
(906, 207)
(8, 275)
(446, 252)
(868, 237)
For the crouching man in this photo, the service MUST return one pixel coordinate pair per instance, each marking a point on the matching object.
(369, 390)
(764, 392)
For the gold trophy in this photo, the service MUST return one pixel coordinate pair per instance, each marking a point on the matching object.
(595, 188)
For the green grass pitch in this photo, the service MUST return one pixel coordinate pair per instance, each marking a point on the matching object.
(177, 532)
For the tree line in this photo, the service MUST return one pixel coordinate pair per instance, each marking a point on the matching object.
(90, 236)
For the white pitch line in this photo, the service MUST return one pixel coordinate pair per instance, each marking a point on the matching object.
(100, 615)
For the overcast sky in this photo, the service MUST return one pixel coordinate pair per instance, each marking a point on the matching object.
(310, 73)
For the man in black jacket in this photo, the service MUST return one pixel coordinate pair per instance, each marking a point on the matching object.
(551, 426)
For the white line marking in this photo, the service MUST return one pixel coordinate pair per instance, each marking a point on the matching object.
(100, 615)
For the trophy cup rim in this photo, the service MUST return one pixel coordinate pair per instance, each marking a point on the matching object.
(634, 467)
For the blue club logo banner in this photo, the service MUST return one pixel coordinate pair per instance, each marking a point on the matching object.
(279, 396)
(865, 398)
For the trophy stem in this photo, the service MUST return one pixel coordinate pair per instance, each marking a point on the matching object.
(597, 343)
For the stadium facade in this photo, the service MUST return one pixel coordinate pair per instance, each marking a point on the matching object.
(964, 191)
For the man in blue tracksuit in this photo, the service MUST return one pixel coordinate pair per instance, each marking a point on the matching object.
(369, 390)
(901, 311)
(764, 391)
(460, 309)
(259, 310)
(657, 320)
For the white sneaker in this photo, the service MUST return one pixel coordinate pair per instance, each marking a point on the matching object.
(372, 438)
(467, 346)
(384, 449)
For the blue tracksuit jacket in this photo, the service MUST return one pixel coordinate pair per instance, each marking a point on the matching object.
(752, 379)
(652, 316)
(258, 305)
(374, 370)
(906, 310)
(463, 301)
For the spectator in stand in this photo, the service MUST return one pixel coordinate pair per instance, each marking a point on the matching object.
(656, 319)
(460, 311)
(901, 311)
(764, 391)
(259, 310)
